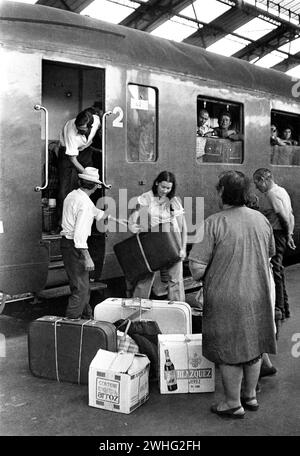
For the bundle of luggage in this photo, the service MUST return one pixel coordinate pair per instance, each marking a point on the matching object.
(121, 350)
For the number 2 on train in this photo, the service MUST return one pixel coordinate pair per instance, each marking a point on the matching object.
(118, 122)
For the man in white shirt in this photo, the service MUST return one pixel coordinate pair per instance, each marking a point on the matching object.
(203, 123)
(78, 215)
(276, 206)
(75, 152)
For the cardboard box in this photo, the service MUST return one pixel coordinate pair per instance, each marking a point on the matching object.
(192, 372)
(118, 381)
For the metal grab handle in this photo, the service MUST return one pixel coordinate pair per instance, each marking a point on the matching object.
(37, 188)
(106, 114)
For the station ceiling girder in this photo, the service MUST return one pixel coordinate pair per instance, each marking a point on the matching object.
(263, 46)
(153, 13)
(220, 27)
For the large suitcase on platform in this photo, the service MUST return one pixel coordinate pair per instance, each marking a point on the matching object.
(147, 252)
(62, 349)
(173, 317)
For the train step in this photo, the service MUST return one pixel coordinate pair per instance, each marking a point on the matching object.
(58, 292)
(54, 246)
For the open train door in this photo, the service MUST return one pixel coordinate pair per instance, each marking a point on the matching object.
(67, 89)
(23, 257)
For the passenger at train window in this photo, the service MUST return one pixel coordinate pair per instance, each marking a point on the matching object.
(236, 281)
(287, 137)
(275, 140)
(223, 130)
(203, 128)
(79, 212)
(160, 205)
(75, 152)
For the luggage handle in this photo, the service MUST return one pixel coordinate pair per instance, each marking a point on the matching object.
(126, 329)
(144, 304)
(139, 306)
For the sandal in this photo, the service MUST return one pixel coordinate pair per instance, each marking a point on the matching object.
(246, 403)
(229, 413)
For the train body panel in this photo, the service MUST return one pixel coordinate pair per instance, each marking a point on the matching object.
(24, 260)
(65, 62)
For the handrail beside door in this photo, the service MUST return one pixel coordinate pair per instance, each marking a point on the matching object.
(37, 188)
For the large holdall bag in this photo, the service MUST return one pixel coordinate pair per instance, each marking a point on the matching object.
(147, 252)
(172, 317)
(62, 349)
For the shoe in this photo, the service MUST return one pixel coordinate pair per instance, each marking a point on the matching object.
(266, 371)
(229, 413)
(246, 403)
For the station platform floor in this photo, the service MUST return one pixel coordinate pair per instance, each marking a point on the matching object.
(31, 406)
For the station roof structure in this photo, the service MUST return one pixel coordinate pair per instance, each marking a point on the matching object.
(263, 32)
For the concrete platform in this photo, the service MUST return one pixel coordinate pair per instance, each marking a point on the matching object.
(31, 406)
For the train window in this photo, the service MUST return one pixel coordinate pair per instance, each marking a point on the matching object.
(219, 129)
(141, 123)
(285, 138)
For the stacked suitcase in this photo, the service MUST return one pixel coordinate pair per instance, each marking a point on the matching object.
(62, 349)
(173, 317)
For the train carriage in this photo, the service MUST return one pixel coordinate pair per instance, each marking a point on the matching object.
(56, 63)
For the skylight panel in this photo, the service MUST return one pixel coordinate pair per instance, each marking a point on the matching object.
(292, 47)
(294, 72)
(255, 29)
(206, 11)
(228, 45)
(270, 59)
(174, 30)
(108, 11)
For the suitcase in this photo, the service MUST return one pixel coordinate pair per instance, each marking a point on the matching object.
(173, 317)
(147, 252)
(62, 349)
(218, 150)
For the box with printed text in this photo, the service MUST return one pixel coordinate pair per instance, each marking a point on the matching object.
(118, 381)
(182, 367)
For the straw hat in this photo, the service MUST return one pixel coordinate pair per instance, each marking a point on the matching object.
(90, 174)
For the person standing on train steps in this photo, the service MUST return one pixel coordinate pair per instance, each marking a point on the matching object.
(276, 206)
(75, 152)
(79, 212)
(160, 205)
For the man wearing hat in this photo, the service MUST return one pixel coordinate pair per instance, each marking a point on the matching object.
(79, 212)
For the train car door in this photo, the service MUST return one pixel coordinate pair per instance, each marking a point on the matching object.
(23, 259)
(68, 89)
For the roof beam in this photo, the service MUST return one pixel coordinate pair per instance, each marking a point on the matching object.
(220, 27)
(267, 43)
(76, 6)
(152, 14)
(291, 62)
(262, 13)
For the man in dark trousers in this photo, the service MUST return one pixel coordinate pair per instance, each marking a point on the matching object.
(79, 212)
(276, 206)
